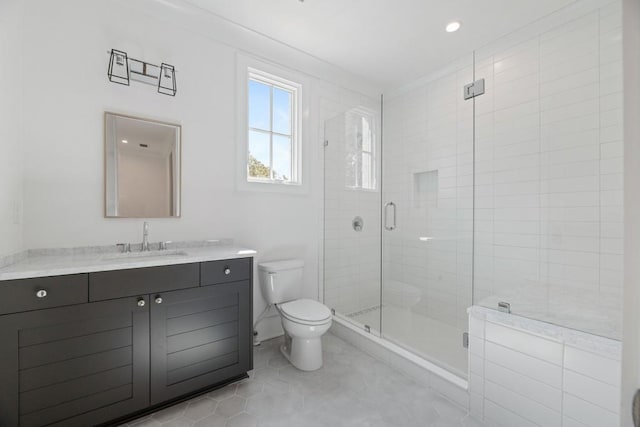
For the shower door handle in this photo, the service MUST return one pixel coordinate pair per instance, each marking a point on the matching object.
(386, 216)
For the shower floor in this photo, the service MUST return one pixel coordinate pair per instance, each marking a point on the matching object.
(431, 339)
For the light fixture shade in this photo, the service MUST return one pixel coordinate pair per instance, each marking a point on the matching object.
(167, 80)
(118, 71)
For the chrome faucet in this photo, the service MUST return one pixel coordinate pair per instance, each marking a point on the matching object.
(145, 237)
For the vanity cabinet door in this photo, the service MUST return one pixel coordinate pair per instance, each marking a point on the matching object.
(199, 337)
(79, 365)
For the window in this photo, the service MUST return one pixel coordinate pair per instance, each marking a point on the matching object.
(273, 151)
(361, 160)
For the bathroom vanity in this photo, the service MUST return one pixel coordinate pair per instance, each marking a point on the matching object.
(90, 340)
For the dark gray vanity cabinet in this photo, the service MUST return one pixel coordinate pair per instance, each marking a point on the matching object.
(199, 337)
(89, 349)
(78, 365)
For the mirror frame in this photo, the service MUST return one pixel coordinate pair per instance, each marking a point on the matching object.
(105, 148)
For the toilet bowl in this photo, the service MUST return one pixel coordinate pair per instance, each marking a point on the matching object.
(304, 320)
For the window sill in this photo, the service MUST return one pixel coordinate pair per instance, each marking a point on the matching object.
(273, 187)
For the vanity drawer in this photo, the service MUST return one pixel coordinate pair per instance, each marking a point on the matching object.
(22, 294)
(140, 281)
(230, 270)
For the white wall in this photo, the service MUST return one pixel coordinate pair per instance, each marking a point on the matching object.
(10, 128)
(631, 325)
(66, 91)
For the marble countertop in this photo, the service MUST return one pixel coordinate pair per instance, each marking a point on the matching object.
(56, 262)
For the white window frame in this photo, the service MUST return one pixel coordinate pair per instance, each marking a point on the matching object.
(294, 89)
(252, 68)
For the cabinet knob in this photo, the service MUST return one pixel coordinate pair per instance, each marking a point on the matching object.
(227, 271)
(158, 300)
(41, 293)
(141, 302)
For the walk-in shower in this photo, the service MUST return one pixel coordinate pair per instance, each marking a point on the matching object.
(406, 275)
(439, 201)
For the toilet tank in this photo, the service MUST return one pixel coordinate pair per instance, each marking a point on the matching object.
(281, 281)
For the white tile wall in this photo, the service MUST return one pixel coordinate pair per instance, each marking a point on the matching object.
(520, 378)
(524, 190)
(548, 173)
(429, 132)
(598, 367)
(549, 160)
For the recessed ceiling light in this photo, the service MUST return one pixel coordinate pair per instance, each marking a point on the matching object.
(453, 26)
(124, 141)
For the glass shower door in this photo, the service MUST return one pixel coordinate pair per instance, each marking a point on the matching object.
(352, 217)
(428, 217)
(549, 226)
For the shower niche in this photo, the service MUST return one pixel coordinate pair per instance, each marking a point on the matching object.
(425, 189)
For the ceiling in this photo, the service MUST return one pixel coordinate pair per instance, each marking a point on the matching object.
(389, 42)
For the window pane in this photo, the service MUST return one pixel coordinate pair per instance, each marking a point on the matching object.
(259, 105)
(259, 155)
(367, 175)
(366, 135)
(281, 111)
(282, 157)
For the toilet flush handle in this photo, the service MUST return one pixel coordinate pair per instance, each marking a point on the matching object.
(227, 270)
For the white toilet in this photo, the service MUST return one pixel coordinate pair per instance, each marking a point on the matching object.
(304, 320)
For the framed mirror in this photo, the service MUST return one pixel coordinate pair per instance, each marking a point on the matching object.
(142, 167)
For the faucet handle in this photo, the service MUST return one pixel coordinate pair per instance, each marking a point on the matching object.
(163, 245)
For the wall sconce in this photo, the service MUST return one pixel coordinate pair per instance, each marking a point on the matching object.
(167, 80)
(118, 67)
(122, 69)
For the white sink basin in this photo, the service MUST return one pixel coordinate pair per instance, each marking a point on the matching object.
(145, 255)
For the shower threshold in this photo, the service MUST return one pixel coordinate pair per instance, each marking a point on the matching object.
(422, 370)
(433, 340)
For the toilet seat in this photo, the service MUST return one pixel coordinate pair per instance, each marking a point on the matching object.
(306, 312)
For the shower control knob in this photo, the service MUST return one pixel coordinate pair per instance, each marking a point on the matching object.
(158, 300)
(41, 293)
(357, 223)
(141, 302)
(227, 271)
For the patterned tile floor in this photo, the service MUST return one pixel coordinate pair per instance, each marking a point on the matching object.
(352, 389)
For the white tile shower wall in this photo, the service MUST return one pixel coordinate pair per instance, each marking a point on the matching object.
(351, 258)
(429, 131)
(518, 377)
(549, 209)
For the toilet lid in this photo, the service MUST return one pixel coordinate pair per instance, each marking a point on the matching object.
(306, 310)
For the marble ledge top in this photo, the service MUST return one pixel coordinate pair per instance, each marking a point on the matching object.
(607, 347)
(57, 262)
